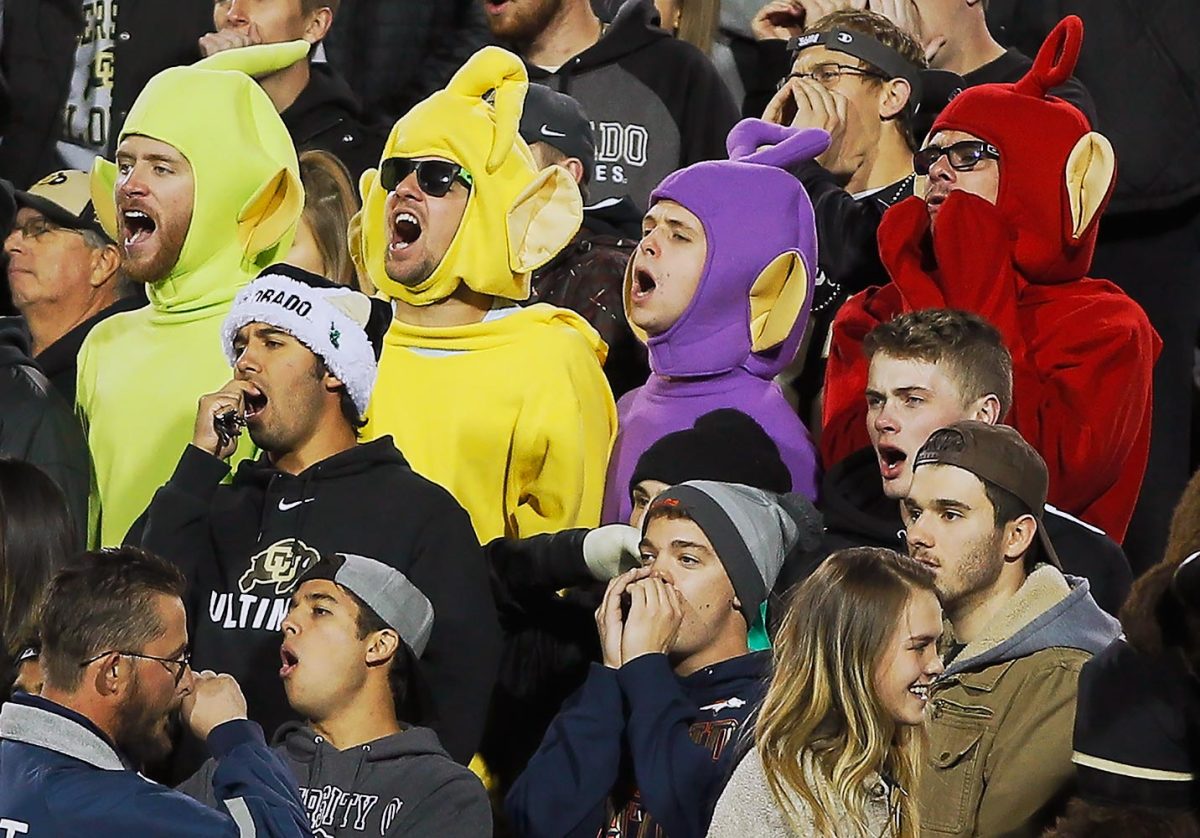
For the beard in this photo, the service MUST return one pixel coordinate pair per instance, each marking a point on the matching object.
(978, 571)
(526, 22)
(152, 267)
(145, 733)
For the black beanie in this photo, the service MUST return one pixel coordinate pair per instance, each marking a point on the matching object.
(725, 446)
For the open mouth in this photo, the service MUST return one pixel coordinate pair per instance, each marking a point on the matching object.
(406, 229)
(255, 402)
(643, 285)
(891, 461)
(136, 227)
(289, 661)
(495, 7)
(921, 691)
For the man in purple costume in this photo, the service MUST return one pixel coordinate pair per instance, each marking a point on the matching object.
(719, 291)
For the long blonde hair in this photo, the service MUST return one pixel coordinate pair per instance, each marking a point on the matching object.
(822, 699)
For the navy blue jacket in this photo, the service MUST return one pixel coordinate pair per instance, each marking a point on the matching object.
(639, 751)
(60, 775)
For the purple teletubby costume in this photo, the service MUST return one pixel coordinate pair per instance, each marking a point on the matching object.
(747, 317)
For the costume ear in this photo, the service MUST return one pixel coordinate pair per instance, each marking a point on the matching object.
(365, 181)
(543, 219)
(776, 300)
(500, 72)
(357, 245)
(270, 213)
(1055, 60)
(1091, 170)
(258, 60)
(104, 204)
(354, 305)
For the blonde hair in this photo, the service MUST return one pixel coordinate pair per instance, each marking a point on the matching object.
(822, 700)
(329, 203)
(698, 21)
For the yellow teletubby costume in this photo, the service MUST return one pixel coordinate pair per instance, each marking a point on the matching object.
(142, 372)
(513, 414)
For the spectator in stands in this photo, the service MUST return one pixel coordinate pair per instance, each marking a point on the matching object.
(315, 103)
(928, 369)
(195, 223)
(351, 641)
(507, 407)
(656, 102)
(64, 273)
(697, 22)
(999, 758)
(322, 242)
(837, 743)
(114, 650)
(586, 276)
(304, 354)
(1006, 230)
(649, 739)
(722, 312)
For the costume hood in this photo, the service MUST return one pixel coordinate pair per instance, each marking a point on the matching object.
(247, 196)
(751, 304)
(517, 218)
(1054, 181)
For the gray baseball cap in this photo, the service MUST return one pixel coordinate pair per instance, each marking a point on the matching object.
(385, 590)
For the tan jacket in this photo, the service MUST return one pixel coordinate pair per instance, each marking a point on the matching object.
(1001, 716)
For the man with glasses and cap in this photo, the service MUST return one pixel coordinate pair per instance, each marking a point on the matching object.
(506, 406)
(1006, 229)
(1000, 716)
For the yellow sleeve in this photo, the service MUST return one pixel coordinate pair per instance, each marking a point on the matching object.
(83, 395)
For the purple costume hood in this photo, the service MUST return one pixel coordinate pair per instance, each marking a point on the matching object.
(749, 312)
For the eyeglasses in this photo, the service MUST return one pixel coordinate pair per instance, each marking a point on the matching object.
(828, 75)
(183, 662)
(39, 225)
(435, 177)
(962, 156)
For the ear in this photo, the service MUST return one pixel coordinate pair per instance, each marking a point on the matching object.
(575, 166)
(893, 96)
(318, 25)
(103, 185)
(1091, 171)
(1018, 537)
(106, 261)
(383, 647)
(543, 219)
(112, 675)
(270, 213)
(986, 409)
(777, 299)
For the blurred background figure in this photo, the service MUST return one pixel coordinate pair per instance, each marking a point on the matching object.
(329, 202)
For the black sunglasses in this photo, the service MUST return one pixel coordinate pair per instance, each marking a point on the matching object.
(962, 156)
(435, 177)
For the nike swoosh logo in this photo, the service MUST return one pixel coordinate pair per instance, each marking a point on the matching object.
(284, 506)
(548, 132)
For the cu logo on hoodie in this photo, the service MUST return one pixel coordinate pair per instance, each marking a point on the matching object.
(280, 565)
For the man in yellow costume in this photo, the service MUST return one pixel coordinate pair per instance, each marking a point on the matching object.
(204, 193)
(507, 407)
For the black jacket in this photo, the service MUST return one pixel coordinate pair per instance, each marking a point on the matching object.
(242, 547)
(1140, 61)
(326, 115)
(36, 425)
(1011, 66)
(858, 514)
(657, 103)
(394, 54)
(59, 360)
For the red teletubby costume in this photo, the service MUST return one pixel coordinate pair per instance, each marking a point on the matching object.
(1082, 350)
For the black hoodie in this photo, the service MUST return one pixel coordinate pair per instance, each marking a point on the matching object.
(243, 546)
(657, 103)
(326, 115)
(858, 514)
(401, 785)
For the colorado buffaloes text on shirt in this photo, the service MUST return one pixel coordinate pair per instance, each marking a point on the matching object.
(264, 590)
(86, 114)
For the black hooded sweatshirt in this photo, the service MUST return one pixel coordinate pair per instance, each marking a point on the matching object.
(327, 116)
(401, 785)
(242, 547)
(657, 103)
(858, 514)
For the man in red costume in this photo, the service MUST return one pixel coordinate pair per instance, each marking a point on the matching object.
(1017, 183)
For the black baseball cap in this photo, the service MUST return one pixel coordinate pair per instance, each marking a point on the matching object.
(558, 120)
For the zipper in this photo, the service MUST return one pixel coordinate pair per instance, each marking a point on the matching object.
(941, 705)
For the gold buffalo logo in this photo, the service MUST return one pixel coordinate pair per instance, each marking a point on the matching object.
(280, 565)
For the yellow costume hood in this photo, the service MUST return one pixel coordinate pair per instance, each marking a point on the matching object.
(517, 218)
(247, 197)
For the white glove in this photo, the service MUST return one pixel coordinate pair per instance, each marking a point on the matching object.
(611, 550)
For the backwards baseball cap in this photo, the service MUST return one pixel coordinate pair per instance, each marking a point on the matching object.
(998, 455)
(65, 198)
(383, 589)
(343, 327)
(752, 531)
(558, 120)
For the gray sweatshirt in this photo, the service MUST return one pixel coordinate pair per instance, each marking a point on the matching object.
(401, 785)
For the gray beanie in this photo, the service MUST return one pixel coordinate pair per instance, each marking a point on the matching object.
(751, 530)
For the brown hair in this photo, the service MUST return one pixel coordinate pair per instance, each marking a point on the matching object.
(698, 20)
(329, 203)
(967, 346)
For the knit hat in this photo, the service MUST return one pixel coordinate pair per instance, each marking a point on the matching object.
(725, 445)
(342, 327)
(1135, 730)
(1055, 180)
(516, 219)
(385, 590)
(65, 198)
(558, 120)
(751, 304)
(752, 531)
